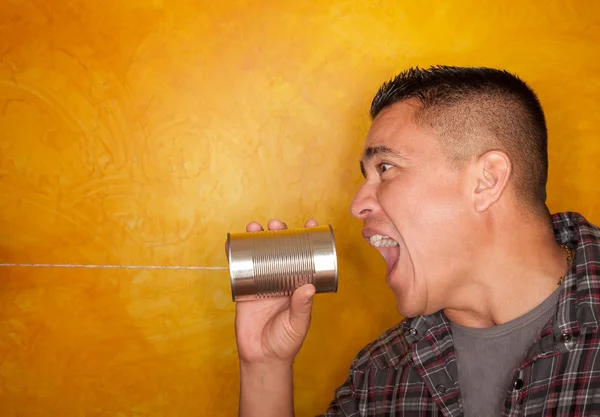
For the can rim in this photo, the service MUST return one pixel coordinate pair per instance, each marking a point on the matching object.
(335, 258)
(229, 264)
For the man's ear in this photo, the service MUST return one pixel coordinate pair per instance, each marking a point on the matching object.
(491, 173)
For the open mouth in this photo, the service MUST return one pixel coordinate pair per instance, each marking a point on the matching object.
(389, 249)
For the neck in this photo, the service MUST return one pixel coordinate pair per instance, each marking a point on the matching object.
(516, 270)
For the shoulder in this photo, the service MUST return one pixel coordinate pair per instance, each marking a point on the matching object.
(580, 298)
(390, 350)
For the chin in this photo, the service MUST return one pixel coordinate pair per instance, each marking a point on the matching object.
(406, 310)
(407, 314)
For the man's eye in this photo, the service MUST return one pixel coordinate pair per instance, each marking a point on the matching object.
(384, 166)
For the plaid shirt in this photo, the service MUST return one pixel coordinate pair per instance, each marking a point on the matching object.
(411, 369)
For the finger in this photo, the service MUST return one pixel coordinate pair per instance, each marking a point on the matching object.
(254, 227)
(277, 224)
(300, 309)
(311, 223)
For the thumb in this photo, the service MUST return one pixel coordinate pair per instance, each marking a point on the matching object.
(300, 308)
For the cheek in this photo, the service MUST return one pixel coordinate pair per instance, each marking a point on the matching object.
(426, 211)
(411, 199)
(400, 193)
(440, 195)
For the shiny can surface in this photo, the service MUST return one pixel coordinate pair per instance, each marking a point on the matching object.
(271, 264)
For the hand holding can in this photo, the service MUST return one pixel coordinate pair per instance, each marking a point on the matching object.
(271, 328)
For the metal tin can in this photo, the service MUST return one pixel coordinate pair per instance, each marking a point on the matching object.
(276, 263)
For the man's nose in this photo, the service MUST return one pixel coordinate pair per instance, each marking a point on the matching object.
(365, 202)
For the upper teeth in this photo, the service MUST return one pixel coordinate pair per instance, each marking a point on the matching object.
(380, 240)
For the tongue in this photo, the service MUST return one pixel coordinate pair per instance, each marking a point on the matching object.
(391, 254)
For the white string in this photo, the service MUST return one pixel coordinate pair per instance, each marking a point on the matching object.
(211, 268)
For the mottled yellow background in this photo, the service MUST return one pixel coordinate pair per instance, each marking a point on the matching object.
(141, 132)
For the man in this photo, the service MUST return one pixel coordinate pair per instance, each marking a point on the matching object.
(502, 300)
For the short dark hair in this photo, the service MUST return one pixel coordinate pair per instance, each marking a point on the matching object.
(472, 110)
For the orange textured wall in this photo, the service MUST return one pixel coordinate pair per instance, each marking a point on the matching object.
(141, 132)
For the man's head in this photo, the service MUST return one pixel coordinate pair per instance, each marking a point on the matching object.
(450, 152)
(472, 110)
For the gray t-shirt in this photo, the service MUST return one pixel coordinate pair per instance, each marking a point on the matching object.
(487, 358)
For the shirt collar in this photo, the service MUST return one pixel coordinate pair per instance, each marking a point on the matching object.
(578, 305)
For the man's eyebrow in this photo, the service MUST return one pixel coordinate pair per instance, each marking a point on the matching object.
(371, 151)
